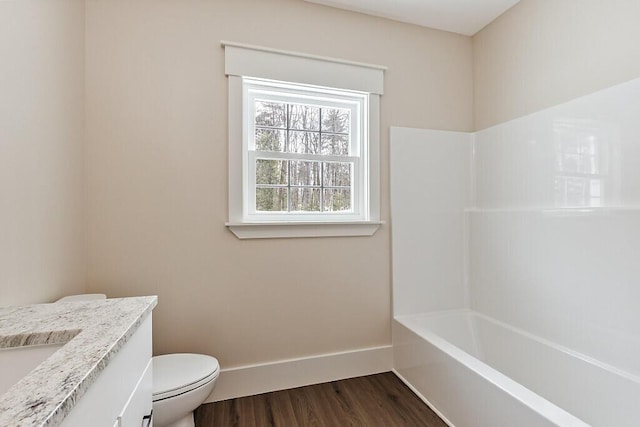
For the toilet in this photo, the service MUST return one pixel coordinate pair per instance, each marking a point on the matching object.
(181, 382)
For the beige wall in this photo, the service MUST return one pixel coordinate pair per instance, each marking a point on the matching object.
(156, 125)
(42, 203)
(544, 52)
(157, 162)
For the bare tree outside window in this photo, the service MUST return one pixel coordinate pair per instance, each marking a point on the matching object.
(302, 185)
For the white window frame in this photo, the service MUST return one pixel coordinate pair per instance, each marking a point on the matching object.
(248, 68)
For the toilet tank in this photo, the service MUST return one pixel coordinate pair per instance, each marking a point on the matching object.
(82, 297)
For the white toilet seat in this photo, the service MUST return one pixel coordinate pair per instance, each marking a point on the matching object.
(176, 374)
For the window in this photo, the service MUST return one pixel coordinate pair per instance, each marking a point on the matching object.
(303, 152)
(306, 153)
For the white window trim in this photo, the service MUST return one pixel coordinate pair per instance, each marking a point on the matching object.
(286, 66)
(263, 63)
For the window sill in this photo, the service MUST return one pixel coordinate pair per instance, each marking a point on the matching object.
(275, 230)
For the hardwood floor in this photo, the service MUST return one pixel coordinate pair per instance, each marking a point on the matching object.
(375, 400)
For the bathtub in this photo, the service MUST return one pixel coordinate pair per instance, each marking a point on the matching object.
(474, 371)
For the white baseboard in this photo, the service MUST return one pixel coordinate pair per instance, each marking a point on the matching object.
(291, 373)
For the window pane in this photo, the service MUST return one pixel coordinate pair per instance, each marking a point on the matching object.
(272, 114)
(337, 174)
(269, 140)
(304, 142)
(335, 145)
(271, 199)
(337, 200)
(305, 173)
(335, 120)
(304, 117)
(305, 199)
(272, 172)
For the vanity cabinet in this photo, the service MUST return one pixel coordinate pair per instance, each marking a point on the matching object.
(121, 395)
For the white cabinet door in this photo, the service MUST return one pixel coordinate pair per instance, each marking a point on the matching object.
(140, 402)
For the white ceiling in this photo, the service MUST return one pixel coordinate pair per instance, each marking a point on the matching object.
(459, 16)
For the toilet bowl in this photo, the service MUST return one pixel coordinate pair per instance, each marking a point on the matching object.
(181, 382)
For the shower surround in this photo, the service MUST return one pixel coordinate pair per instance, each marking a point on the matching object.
(527, 233)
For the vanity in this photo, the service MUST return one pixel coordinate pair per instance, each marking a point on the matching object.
(76, 364)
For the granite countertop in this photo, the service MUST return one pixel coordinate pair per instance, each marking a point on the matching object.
(94, 331)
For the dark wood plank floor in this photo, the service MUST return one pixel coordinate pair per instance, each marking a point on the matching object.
(375, 400)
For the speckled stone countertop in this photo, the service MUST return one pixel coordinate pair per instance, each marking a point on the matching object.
(94, 331)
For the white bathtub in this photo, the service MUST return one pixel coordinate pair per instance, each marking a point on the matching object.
(477, 372)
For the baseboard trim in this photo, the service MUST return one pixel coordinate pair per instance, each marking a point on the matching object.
(284, 374)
